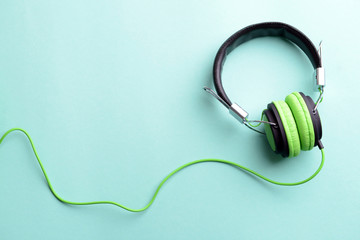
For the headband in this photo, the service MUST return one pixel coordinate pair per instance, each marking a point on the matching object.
(274, 29)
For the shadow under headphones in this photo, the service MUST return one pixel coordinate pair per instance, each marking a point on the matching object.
(290, 126)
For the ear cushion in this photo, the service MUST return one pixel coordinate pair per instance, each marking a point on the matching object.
(289, 124)
(315, 117)
(303, 120)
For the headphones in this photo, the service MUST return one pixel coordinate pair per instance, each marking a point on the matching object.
(291, 125)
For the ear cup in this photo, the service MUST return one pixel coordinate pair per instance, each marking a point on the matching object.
(303, 120)
(290, 128)
(315, 117)
(269, 134)
(276, 135)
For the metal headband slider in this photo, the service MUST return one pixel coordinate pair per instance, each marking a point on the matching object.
(235, 110)
(238, 112)
(320, 77)
(319, 73)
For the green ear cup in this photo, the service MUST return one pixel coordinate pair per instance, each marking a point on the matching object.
(303, 120)
(269, 135)
(291, 131)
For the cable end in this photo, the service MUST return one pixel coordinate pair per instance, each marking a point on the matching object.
(320, 145)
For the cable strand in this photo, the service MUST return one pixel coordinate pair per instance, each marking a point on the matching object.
(162, 182)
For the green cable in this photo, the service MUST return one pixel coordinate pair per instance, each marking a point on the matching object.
(258, 124)
(162, 182)
(254, 125)
(321, 93)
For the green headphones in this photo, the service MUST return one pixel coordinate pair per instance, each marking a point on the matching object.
(290, 125)
(297, 127)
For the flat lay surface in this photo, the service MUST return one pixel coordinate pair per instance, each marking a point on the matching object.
(111, 93)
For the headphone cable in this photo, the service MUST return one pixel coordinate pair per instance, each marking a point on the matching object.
(163, 181)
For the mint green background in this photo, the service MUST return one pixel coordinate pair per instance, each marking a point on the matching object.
(111, 93)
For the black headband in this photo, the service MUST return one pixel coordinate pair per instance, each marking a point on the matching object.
(276, 29)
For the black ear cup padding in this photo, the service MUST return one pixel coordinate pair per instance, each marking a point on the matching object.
(315, 117)
(278, 131)
(276, 134)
